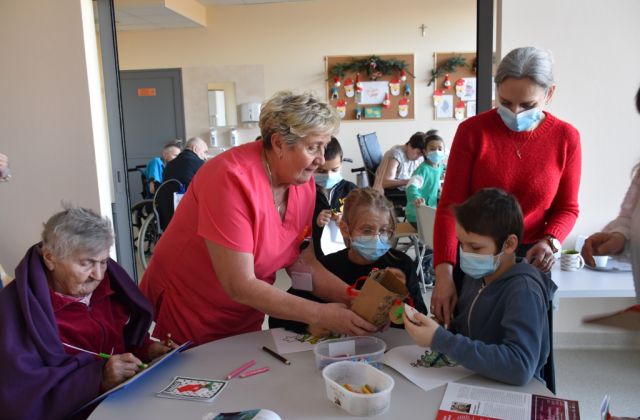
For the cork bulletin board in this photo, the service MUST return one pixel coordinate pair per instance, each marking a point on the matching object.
(458, 99)
(364, 106)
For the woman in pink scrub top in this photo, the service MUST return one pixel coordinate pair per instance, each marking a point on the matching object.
(244, 217)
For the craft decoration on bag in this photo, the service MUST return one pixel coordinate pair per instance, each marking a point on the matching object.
(336, 81)
(460, 88)
(407, 89)
(459, 111)
(403, 107)
(348, 87)
(394, 86)
(437, 97)
(341, 107)
(447, 82)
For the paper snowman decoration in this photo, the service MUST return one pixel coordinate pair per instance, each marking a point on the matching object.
(403, 107)
(358, 113)
(348, 88)
(460, 88)
(334, 92)
(459, 111)
(437, 98)
(341, 107)
(386, 103)
(394, 86)
(336, 81)
(407, 89)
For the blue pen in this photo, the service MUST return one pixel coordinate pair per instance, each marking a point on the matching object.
(434, 361)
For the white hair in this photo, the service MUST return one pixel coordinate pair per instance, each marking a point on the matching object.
(531, 62)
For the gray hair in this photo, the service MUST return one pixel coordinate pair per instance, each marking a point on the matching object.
(77, 229)
(295, 116)
(531, 62)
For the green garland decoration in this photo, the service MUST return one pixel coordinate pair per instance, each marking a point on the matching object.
(448, 66)
(374, 67)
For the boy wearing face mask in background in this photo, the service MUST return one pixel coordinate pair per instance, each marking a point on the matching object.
(501, 327)
(367, 225)
(424, 185)
(331, 189)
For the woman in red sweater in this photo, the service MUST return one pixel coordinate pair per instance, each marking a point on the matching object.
(521, 149)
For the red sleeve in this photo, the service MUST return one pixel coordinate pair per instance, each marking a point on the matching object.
(456, 189)
(564, 210)
(224, 210)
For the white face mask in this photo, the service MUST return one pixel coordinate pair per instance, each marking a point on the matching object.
(328, 180)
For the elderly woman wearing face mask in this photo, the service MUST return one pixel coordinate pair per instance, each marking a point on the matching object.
(245, 216)
(70, 300)
(522, 149)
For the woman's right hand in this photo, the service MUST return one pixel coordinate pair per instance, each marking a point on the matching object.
(118, 369)
(337, 318)
(444, 296)
(602, 243)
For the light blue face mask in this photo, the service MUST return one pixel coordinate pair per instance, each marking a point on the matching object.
(521, 121)
(478, 265)
(371, 247)
(328, 180)
(435, 156)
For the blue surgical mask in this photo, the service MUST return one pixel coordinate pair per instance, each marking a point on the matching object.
(478, 265)
(435, 156)
(371, 247)
(328, 180)
(521, 121)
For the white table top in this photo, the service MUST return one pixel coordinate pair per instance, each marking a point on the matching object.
(591, 283)
(294, 392)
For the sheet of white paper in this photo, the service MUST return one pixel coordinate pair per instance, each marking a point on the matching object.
(400, 358)
(373, 92)
(445, 107)
(331, 240)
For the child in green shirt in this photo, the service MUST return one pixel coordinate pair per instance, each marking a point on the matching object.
(424, 184)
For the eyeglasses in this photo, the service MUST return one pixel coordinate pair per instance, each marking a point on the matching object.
(383, 233)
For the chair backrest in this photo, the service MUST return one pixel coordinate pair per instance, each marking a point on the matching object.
(371, 154)
(426, 218)
(163, 202)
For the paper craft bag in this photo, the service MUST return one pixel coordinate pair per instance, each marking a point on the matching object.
(376, 297)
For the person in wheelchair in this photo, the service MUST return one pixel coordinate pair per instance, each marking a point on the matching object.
(153, 174)
(396, 167)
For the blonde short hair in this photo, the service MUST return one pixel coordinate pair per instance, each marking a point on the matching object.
(295, 116)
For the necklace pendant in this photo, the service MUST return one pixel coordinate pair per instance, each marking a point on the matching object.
(518, 154)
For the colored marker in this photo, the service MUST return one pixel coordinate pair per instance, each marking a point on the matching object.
(348, 387)
(101, 355)
(254, 372)
(276, 355)
(366, 389)
(241, 369)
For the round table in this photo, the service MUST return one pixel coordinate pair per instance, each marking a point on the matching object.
(295, 391)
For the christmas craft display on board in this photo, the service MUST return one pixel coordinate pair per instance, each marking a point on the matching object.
(453, 78)
(371, 87)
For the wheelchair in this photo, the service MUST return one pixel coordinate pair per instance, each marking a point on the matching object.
(156, 221)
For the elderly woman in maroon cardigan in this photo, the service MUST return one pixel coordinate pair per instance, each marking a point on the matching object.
(70, 299)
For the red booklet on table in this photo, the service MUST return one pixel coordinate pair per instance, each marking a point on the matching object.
(627, 319)
(468, 402)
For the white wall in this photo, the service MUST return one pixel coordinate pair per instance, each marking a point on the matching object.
(45, 119)
(291, 40)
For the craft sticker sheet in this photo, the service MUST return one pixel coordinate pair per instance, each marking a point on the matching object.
(192, 389)
(414, 363)
(291, 342)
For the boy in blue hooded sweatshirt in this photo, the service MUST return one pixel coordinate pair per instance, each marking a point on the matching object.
(501, 328)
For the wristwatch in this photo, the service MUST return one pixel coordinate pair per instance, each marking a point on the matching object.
(553, 242)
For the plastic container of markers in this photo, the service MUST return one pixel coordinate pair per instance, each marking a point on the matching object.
(342, 380)
(369, 350)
